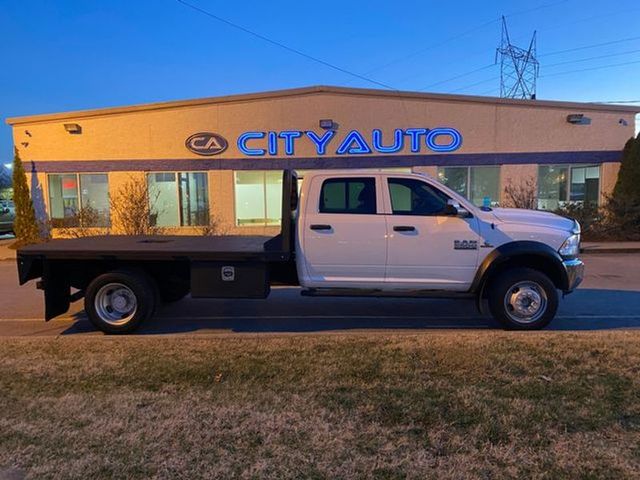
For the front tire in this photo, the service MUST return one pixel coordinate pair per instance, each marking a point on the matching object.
(523, 299)
(118, 301)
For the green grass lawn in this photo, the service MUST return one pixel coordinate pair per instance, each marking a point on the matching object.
(434, 405)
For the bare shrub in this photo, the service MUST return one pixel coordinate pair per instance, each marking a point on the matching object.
(592, 219)
(521, 195)
(85, 222)
(214, 228)
(623, 218)
(133, 209)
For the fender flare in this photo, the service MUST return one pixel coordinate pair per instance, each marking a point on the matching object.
(519, 250)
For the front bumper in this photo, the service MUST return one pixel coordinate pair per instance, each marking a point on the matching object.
(575, 273)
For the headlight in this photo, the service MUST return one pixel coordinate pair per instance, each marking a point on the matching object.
(571, 246)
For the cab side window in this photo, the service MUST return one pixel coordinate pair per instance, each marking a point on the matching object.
(348, 195)
(413, 197)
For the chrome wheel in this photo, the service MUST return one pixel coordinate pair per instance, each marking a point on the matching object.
(525, 302)
(115, 303)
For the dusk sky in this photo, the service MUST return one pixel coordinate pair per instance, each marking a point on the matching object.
(67, 55)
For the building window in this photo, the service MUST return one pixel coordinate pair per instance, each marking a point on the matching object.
(348, 195)
(79, 200)
(562, 184)
(481, 185)
(258, 197)
(178, 199)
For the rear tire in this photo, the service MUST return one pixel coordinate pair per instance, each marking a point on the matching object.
(523, 299)
(118, 301)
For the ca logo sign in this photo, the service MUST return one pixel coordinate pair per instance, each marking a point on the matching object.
(206, 143)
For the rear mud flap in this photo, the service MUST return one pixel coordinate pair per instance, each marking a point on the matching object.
(57, 291)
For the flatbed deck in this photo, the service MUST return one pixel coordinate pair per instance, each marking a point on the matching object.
(159, 247)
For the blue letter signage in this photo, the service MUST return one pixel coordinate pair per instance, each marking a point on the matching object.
(273, 143)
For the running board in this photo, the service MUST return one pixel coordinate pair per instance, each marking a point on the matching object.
(358, 292)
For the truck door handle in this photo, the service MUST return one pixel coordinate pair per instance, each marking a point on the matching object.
(320, 227)
(404, 228)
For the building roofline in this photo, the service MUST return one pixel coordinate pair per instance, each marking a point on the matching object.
(245, 97)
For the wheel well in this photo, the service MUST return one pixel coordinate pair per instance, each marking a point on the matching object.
(81, 273)
(541, 263)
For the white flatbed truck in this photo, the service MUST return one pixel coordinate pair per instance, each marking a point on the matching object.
(346, 233)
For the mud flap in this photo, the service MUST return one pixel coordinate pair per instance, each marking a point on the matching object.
(57, 291)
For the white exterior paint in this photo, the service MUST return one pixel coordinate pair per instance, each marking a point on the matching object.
(364, 251)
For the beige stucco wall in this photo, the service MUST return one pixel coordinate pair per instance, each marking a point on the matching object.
(160, 134)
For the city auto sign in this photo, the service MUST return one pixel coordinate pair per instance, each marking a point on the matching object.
(260, 143)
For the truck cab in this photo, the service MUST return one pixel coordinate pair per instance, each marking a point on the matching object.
(407, 234)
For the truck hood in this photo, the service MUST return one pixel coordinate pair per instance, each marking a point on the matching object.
(534, 217)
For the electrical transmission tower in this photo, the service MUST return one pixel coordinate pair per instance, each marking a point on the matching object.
(518, 67)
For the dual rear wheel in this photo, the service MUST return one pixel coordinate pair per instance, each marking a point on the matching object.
(118, 301)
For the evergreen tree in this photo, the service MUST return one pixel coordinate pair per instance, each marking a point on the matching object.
(628, 183)
(25, 225)
(624, 205)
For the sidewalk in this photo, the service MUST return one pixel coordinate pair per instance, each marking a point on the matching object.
(7, 253)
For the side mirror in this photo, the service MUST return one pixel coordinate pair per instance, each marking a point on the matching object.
(463, 212)
(454, 209)
(450, 210)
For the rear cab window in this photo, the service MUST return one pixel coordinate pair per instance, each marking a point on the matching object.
(352, 195)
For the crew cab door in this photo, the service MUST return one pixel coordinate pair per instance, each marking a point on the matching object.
(427, 248)
(342, 237)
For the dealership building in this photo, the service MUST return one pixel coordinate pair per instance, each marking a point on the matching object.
(218, 161)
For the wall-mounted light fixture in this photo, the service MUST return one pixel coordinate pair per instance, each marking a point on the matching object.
(623, 122)
(73, 128)
(578, 119)
(327, 124)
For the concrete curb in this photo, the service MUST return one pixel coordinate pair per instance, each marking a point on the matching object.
(588, 251)
(610, 247)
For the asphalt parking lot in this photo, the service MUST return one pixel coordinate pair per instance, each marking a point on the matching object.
(609, 298)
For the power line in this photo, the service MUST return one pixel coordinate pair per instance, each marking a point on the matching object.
(612, 65)
(461, 35)
(585, 47)
(477, 53)
(282, 45)
(458, 76)
(599, 17)
(593, 58)
(493, 79)
(590, 69)
(431, 47)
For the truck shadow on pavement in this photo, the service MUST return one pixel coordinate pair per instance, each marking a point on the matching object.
(285, 311)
